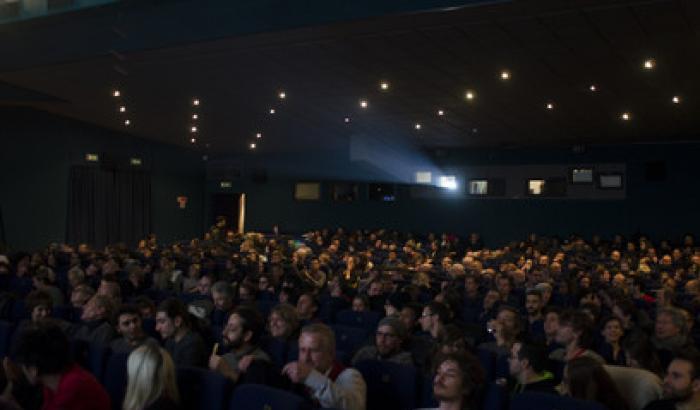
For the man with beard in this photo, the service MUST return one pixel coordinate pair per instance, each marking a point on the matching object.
(242, 336)
(130, 327)
(458, 380)
(388, 340)
(681, 384)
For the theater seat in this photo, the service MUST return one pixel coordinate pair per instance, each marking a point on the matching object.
(260, 397)
(389, 385)
(544, 401)
(487, 359)
(115, 378)
(349, 339)
(364, 320)
(203, 389)
(495, 397)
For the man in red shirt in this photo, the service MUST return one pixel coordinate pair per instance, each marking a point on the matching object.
(43, 354)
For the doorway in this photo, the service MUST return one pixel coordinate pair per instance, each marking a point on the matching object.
(231, 207)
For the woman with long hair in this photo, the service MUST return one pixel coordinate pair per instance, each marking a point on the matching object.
(152, 383)
(585, 378)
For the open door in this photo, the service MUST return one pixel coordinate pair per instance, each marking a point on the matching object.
(230, 206)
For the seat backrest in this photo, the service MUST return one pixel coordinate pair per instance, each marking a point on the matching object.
(349, 339)
(389, 385)
(261, 397)
(115, 378)
(544, 401)
(203, 389)
(365, 320)
(97, 356)
(277, 349)
(487, 359)
(495, 397)
(638, 386)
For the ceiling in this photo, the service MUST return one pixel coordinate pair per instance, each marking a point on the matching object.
(553, 49)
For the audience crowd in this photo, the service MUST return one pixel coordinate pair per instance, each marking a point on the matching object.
(611, 321)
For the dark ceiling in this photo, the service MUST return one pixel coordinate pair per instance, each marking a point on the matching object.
(554, 51)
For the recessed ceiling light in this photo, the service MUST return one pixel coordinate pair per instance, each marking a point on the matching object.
(347, 120)
(195, 101)
(272, 111)
(193, 129)
(282, 95)
(193, 140)
(649, 64)
(549, 106)
(469, 95)
(252, 145)
(418, 126)
(258, 135)
(127, 122)
(122, 109)
(195, 116)
(364, 103)
(116, 93)
(593, 88)
(440, 112)
(505, 75)
(676, 99)
(384, 85)
(625, 116)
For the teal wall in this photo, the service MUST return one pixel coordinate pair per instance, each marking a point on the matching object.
(38, 150)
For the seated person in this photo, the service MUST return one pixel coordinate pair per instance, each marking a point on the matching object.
(43, 353)
(222, 294)
(130, 327)
(670, 333)
(681, 384)
(388, 344)
(307, 308)
(575, 333)
(505, 329)
(458, 380)
(203, 305)
(95, 318)
(242, 336)
(585, 378)
(41, 280)
(327, 380)
(611, 348)
(80, 295)
(146, 307)
(527, 365)
(152, 384)
(284, 322)
(174, 325)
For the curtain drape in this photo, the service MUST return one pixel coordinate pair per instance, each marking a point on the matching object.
(108, 206)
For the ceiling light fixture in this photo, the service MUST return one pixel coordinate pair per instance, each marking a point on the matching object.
(272, 111)
(193, 140)
(440, 113)
(195, 116)
(649, 64)
(122, 109)
(127, 122)
(282, 95)
(193, 129)
(363, 103)
(676, 99)
(625, 116)
(469, 95)
(593, 88)
(418, 126)
(252, 145)
(384, 85)
(550, 106)
(258, 135)
(347, 120)
(505, 75)
(116, 93)
(195, 101)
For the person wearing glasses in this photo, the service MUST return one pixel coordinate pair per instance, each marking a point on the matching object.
(388, 344)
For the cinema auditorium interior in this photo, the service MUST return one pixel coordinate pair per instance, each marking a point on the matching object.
(349, 204)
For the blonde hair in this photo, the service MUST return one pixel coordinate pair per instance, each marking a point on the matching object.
(151, 375)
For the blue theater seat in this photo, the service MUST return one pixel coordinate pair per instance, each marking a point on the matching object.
(389, 385)
(259, 397)
(115, 378)
(349, 339)
(495, 397)
(5, 337)
(203, 389)
(364, 320)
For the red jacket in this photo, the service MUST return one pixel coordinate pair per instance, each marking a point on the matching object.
(77, 390)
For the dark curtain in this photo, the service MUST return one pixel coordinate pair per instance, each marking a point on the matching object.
(108, 205)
